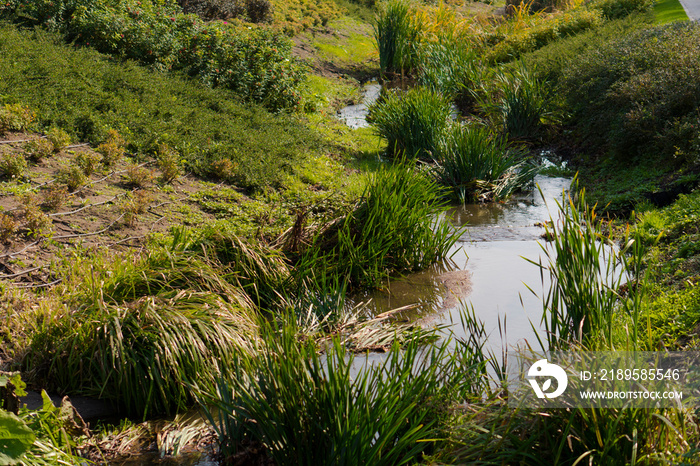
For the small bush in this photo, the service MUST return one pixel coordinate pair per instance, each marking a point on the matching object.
(137, 176)
(88, 162)
(112, 149)
(59, 139)
(169, 163)
(12, 165)
(136, 204)
(412, 122)
(54, 197)
(259, 11)
(15, 117)
(36, 223)
(8, 227)
(614, 9)
(72, 177)
(223, 169)
(38, 149)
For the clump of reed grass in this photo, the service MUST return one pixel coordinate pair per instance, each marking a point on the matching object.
(586, 269)
(309, 409)
(138, 329)
(394, 228)
(449, 68)
(521, 105)
(139, 354)
(397, 34)
(475, 165)
(263, 272)
(413, 122)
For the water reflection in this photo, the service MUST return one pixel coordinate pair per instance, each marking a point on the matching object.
(487, 269)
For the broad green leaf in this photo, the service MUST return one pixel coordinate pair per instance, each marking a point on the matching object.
(15, 438)
(15, 379)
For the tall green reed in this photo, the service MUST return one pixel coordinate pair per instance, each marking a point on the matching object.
(394, 228)
(450, 68)
(587, 269)
(139, 355)
(397, 35)
(307, 409)
(475, 165)
(520, 104)
(413, 122)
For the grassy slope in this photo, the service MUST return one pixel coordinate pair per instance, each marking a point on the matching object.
(88, 93)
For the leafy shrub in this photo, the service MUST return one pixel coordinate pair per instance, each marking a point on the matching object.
(87, 161)
(12, 165)
(137, 176)
(213, 9)
(638, 94)
(255, 63)
(54, 197)
(259, 11)
(475, 165)
(135, 205)
(412, 122)
(15, 117)
(112, 149)
(38, 149)
(8, 227)
(169, 163)
(36, 222)
(73, 177)
(58, 138)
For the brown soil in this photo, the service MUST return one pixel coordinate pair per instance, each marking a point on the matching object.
(106, 212)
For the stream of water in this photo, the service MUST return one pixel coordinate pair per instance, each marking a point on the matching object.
(487, 271)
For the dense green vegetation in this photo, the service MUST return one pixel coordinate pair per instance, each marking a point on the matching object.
(245, 309)
(87, 94)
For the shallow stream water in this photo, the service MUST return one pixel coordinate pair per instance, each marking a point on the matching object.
(487, 271)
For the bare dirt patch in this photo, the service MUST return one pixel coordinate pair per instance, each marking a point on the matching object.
(42, 218)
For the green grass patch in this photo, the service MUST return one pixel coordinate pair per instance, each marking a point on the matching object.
(669, 11)
(87, 93)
